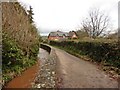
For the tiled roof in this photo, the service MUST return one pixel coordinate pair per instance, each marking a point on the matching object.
(58, 33)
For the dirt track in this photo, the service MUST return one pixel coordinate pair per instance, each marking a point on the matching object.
(77, 73)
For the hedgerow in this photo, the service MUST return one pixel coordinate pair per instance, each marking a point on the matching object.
(98, 51)
(20, 40)
(14, 59)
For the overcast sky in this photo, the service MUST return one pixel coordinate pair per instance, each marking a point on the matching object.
(66, 15)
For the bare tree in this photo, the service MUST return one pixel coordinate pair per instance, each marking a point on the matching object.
(96, 23)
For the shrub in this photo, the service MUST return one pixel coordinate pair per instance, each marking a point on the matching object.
(14, 60)
(11, 53)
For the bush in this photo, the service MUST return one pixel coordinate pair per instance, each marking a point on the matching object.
(14, 60)
(11, 53)
(34, 51)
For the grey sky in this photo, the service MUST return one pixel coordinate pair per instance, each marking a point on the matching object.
(66, 15)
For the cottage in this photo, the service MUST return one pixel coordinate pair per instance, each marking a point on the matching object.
(73, 35)
(60, 36)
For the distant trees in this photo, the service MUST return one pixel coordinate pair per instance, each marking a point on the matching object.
(81, 34)
(96, 23)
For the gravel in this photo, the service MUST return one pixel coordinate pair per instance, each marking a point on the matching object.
(46, 77)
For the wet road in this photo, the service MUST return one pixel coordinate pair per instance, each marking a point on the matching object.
(77, 73)
(43, 55)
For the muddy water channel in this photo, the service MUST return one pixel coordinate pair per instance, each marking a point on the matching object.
(46, 74)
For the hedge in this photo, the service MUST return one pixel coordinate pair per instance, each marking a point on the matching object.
(98, 51)
(14, 59)
(45, 47)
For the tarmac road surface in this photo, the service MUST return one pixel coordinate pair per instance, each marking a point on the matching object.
(78, 73)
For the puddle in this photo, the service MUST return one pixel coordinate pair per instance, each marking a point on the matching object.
(43, 55)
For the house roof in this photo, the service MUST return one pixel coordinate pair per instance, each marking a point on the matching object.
(71, 33)
(58, 33)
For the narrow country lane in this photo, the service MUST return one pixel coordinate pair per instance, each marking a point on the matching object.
(77, 73)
